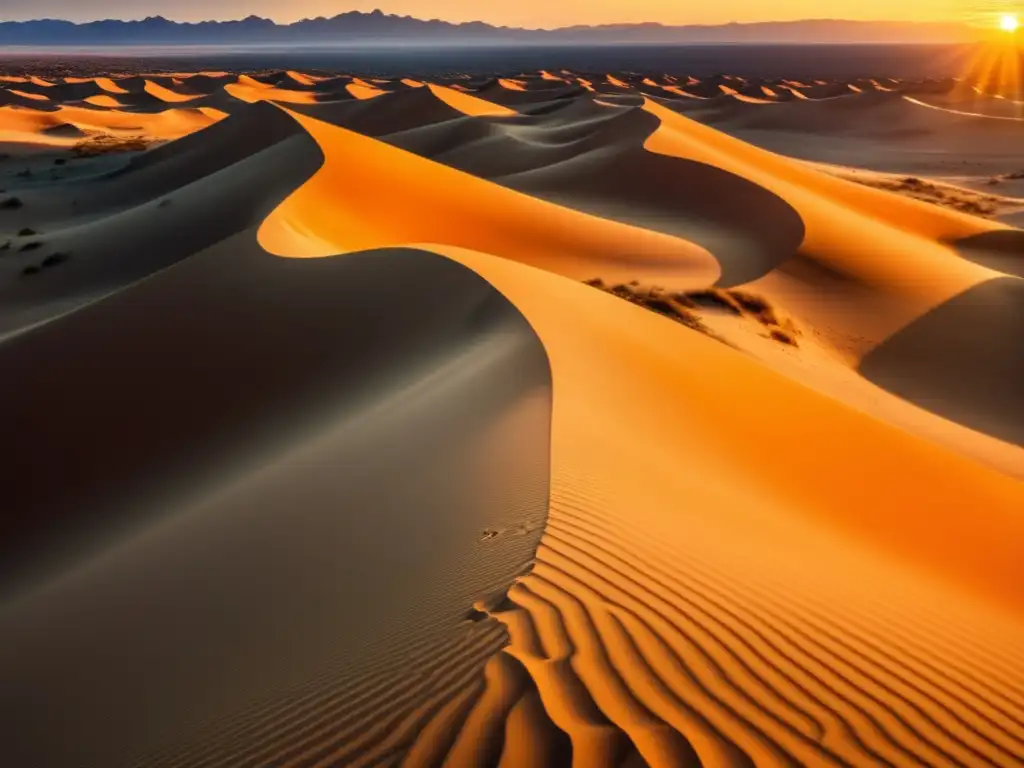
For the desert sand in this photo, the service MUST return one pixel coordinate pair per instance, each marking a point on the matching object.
(587, 419)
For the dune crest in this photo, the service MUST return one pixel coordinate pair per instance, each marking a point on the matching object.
(470, 105)
(559, 239)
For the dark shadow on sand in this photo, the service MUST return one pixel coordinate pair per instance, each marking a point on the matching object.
(250, 484)
(1001, 250)
(964, 360)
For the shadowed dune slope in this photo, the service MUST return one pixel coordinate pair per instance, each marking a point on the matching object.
(237, 543)
(394, 112)
(926, 134)
(962, 360)
(162, 208)
(1000, 250)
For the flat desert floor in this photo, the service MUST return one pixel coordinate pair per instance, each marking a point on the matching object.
(547, 420)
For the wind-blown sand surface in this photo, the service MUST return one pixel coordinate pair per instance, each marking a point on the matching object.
(552, 419)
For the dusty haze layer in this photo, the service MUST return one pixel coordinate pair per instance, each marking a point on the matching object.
(552, 419)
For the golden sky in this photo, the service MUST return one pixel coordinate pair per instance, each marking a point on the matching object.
(532, 13)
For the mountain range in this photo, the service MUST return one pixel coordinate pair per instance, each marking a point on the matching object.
(377, 27)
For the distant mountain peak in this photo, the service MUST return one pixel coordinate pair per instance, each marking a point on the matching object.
(376, 25)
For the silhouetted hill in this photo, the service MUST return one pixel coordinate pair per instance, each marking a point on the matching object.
(377, 27)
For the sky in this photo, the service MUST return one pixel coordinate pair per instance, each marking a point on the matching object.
(529, 13)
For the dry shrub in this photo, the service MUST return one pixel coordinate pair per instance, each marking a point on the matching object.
(757, 306)
(105, 143)
(656, 300)
(784, 337)
(965, 201)
(714, 299)
(683, 307)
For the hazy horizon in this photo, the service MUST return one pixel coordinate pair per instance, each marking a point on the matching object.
(529, 13)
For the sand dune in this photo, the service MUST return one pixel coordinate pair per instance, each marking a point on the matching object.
(284, 436)
(325, 453)
(557, 238)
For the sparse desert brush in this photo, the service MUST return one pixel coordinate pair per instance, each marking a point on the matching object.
(655, 299)
(683, 307)
(784, 337)
(105, 143)
(713, 298)
(963, 200)
(755, 305)
(12, 202)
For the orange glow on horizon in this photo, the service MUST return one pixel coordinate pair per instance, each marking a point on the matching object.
(533, 13)
(997, 67)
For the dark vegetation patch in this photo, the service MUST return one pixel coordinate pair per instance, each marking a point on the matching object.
(684, 307)
(756, 306)
(105, 144)
(963, 200)
(12, 202)
(27, 232)
(33, 246)
(54, 259)
(674, 306)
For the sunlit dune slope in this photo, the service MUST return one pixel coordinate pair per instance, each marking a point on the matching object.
(897, 240)
(470, 105)
(351, 203)
(23, 125)
(855, 263)
(166, 94)
(893, 273)
(772, 631)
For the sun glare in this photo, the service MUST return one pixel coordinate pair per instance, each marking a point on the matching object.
(1009, 23)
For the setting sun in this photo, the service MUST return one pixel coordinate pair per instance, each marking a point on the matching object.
(1009, 23)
